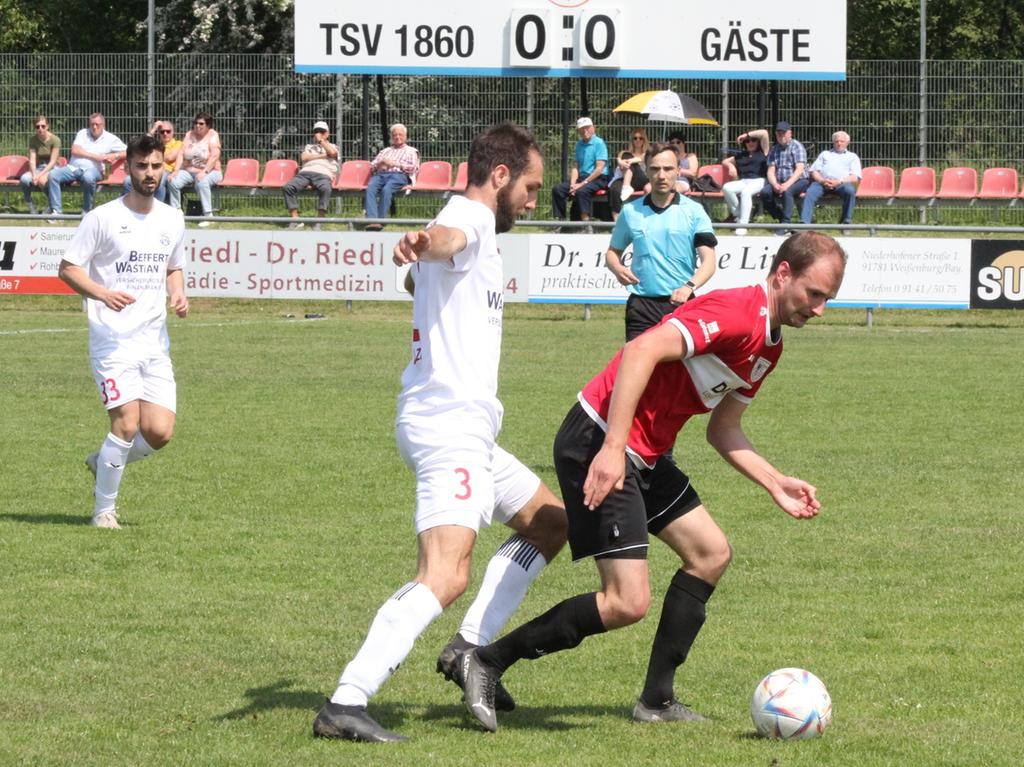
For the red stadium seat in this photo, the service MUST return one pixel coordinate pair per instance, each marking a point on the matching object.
(998, 184)
(241, 172)
(354, 176)
(11, 168)
(117, 174)
(877, 181)
(917, 183)
(461, 178)
(958, 184)
(434, 176)
(277, 173)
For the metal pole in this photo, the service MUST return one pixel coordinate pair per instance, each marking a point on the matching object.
(366, 117)
(566, 95)
(529, 103)
(151, 65)
(923, 108)
(725, 114)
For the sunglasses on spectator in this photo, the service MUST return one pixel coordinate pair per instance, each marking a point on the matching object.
(41, 125)
(199, 122)
(638, 138)
(166, 130)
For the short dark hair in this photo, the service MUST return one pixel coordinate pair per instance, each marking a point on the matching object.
(678, 136)
(206, 117)
(658, 148)
(502, 144)
(143, 146)
(803, 249)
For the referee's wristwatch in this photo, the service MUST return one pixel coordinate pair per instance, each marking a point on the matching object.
(693, 288)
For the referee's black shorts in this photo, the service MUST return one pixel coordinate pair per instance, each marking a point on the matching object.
(643, 312)
(617, 529)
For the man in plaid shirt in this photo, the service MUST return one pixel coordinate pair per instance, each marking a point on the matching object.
(787, 175)
(393, 168)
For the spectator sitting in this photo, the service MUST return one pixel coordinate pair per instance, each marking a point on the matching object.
(629, 175)
(688, 163)
(787, 175)
(319, 167)
(43, 153)
(836, 170)
(92, 147)
(748, 169)
(589, 174)
(393, 168)
(163, 130)
(198, 164)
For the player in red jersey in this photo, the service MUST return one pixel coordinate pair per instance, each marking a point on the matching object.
(710, 355)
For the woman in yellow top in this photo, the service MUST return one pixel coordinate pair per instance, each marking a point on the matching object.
(43, 153)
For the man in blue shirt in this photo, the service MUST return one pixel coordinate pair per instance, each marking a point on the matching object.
(787, 175)
(836, 171)
(671, 234)
(588, 175)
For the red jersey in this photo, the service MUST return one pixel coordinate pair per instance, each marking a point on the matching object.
(730, 351)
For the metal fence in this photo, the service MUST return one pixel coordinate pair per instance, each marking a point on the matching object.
(973, 113)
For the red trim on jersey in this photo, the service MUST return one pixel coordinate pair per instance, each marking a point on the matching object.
(731, 352)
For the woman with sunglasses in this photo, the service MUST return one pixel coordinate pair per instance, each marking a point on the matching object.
(197, 164)
(688, 163)
(748, 170)
(629, 173)
(43, 154)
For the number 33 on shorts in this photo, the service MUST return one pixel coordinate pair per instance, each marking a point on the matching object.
(109, 391)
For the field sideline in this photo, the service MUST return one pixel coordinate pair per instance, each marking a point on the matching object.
(259, 544)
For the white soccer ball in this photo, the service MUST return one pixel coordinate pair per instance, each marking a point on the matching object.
(791, 704)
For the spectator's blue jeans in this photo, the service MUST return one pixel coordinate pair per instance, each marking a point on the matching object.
(582, 204)
(203, 189)
(770, 200)
(161, 191)
(846, 192)
(26, 182)
(87, 177)
(381, 189)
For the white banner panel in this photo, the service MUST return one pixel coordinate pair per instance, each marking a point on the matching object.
(540, 268)
(738, 39)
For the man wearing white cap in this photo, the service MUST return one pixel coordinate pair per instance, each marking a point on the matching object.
(588, 175)
(319, 168)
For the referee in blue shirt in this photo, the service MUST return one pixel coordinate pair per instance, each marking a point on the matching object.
(673, 245)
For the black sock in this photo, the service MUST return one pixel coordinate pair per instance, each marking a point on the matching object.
(682, 616)
(561, 628)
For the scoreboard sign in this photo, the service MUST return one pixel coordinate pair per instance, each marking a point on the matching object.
(737, 39)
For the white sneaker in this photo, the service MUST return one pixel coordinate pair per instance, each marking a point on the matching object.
(627, 192)
(91, 461)
(107, 519)
(739, 232)
(204, 224)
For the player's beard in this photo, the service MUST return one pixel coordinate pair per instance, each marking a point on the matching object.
(505, 213)
(139, 187)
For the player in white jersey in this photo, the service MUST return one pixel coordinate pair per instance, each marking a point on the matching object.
(127, 259)
(448, 420)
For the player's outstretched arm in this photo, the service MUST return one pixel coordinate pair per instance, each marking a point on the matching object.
(176, 292)
(607, 471)
(725, 433)
(79, 281)
(438, 243)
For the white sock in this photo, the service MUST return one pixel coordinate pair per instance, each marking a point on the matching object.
(509, 574)
(140, 449)
(109, 468)
(399, 622)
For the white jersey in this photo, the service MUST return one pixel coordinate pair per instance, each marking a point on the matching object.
(456, 333)
(130, 252)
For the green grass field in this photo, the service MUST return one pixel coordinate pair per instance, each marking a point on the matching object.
(259, 544)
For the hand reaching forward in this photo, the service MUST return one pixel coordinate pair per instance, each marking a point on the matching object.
(797, 498)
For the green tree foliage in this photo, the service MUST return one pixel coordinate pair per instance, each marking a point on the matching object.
(72, 26)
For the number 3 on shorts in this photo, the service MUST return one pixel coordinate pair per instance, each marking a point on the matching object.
(468, 491)
(109, 391)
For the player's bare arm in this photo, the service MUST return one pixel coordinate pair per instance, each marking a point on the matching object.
(725, 433)
(78, 280)
(438, 243)
(639, 358)
(613, 260)
(176, 292)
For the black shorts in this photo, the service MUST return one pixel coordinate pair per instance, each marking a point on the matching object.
(617, 529)
(643, 312)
